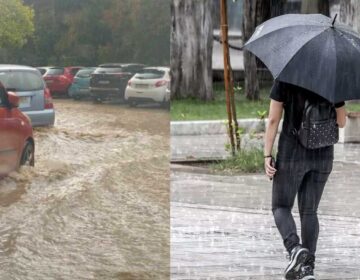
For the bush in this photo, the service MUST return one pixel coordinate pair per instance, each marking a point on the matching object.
(245, 161)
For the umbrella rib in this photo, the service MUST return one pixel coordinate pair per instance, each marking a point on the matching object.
(276, 30)
(349, 40)
(290, 60)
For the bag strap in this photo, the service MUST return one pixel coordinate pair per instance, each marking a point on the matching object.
(292, 129)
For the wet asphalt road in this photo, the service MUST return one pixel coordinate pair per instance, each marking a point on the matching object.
(96, 205)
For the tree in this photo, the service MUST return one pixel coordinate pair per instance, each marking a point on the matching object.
(191, 47)
(315, 7)
(90, 32)
(350, 13)
(254, 13)
(16, 23)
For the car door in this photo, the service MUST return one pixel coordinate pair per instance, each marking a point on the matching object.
(9, 137)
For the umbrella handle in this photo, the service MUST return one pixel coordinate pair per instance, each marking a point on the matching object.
(334, 20)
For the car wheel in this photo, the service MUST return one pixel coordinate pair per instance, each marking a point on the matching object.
(165, 104)
(97, 100)
(132, 103)
(28, 154)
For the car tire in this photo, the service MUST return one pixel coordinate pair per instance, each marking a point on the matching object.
(132, 103)
(97, 100)
(165, 104)
(28, 154)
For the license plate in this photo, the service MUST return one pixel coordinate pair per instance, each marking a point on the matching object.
(104, 82)
(142, 86)
(25, 101)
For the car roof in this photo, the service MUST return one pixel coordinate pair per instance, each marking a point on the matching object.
(88, 68)
(69, 67)
(16, 67)
(120, 64)
(159, 68)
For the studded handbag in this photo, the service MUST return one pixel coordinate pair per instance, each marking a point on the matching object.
(318, 126)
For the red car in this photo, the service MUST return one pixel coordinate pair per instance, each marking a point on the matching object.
(59, 79)
(17, 145)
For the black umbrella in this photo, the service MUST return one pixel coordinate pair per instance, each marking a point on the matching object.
(311, 51)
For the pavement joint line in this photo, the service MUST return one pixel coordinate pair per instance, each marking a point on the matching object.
(346, 161)
(264, 212)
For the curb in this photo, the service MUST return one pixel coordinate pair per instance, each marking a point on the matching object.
(179, 128)
(349, 134)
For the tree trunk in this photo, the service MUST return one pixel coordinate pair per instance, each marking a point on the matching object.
(350, 13)
(254, 13)
(277, 7)
(191, 49)
(250, 68)
(315, 7)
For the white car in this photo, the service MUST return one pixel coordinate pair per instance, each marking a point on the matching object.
(148, 86)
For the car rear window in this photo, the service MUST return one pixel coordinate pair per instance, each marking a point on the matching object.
(84, 73)
(41, 70)
(108, 70)
(150, 74)
(55, 71)
(73, 71)
(21, 80)
(2, 96)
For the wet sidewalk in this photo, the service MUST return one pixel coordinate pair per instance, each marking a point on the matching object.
(222, 226)
(209, 147)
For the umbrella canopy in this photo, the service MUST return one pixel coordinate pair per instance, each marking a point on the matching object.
(311, 51)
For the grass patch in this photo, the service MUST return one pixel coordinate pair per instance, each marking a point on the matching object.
(192, 109)
(245, 161)
(353, 107)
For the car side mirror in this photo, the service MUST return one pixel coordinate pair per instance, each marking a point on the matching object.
(13, 99)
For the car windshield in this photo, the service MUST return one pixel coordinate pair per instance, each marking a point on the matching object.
(84, 73)
(150, 74)
(55, 71)
(108, 70)
(21, 80)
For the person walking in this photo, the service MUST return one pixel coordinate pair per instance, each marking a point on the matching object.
(297, 171)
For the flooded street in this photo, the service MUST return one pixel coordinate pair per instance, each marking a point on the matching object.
(96, 205)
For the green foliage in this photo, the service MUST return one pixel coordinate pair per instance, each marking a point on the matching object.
(16, 23)
(191, 109)
(90, 32)
(353, 107)
(245, 161)
(261, 114)
(238, 89)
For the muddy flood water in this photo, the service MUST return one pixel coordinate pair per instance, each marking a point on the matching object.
(96, 205)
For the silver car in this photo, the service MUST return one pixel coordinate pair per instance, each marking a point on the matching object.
(35, 98)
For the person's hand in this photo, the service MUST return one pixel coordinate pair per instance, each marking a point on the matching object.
(269, 168)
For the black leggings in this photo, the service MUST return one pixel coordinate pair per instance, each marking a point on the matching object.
(303, 173)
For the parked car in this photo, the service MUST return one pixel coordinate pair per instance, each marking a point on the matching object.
(80, 86)
(17, 144)
(59, 79)
(149, 85)
(35, 97)
(43, 69)
(109, 80)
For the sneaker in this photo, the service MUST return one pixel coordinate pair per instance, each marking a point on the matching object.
(298, 257)
(306, 273)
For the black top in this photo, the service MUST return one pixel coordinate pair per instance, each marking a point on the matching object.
(293, 98)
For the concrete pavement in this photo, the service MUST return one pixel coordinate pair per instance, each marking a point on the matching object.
(222, 226)
(210, 147)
